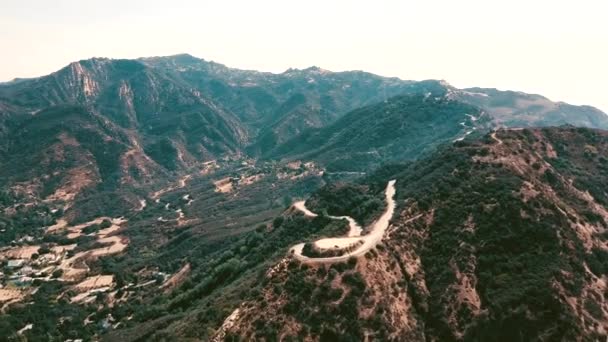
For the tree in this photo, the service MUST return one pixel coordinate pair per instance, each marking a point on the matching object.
(43, 250)
(278, 221)
(105, 224)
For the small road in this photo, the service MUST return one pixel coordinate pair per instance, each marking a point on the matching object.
(181, 183)
(368, 241)
(493, 135)
(301, 206)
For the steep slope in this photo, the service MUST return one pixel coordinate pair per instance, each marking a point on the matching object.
(402, 128)
(178, 111)
(365, 137)
(181, 110)
(135, 97)
(159, 125)
(497, 239)
(278, 106)
(69, 154)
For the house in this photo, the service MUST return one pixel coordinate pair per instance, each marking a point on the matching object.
(27, 270)
(15, 263)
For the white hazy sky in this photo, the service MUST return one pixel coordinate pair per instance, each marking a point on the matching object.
(553, 47)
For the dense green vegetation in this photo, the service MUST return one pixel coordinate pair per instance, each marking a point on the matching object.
(228, 271)
(312, 299)
(30, 145)
(514, 250)
(22, 220)
(43, 307)
(401, 128)
(519, 248)
(343, 199)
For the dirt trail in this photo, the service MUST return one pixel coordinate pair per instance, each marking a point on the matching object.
(369, 241)
(181, 183)
(142, 205)
(493, 135)
(301, 206)
(176, 279)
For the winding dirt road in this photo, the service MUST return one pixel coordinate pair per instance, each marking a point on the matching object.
(368, 241)
(493, 135)
(181, 183)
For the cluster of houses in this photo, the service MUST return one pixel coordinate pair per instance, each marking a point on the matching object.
(22, 265)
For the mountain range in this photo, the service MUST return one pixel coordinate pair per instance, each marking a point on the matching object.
(154, 116)
(179, 185)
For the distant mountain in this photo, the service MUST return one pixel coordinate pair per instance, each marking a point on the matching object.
(260, 98)
(402, 128)
(501, 238)
(134, 97)
(517, 109)
(168, 114)
(277, 107)
(124, 122)
(63, 150)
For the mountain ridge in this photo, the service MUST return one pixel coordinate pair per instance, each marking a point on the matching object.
(494, 238)
(179, 111)
(184, 56)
